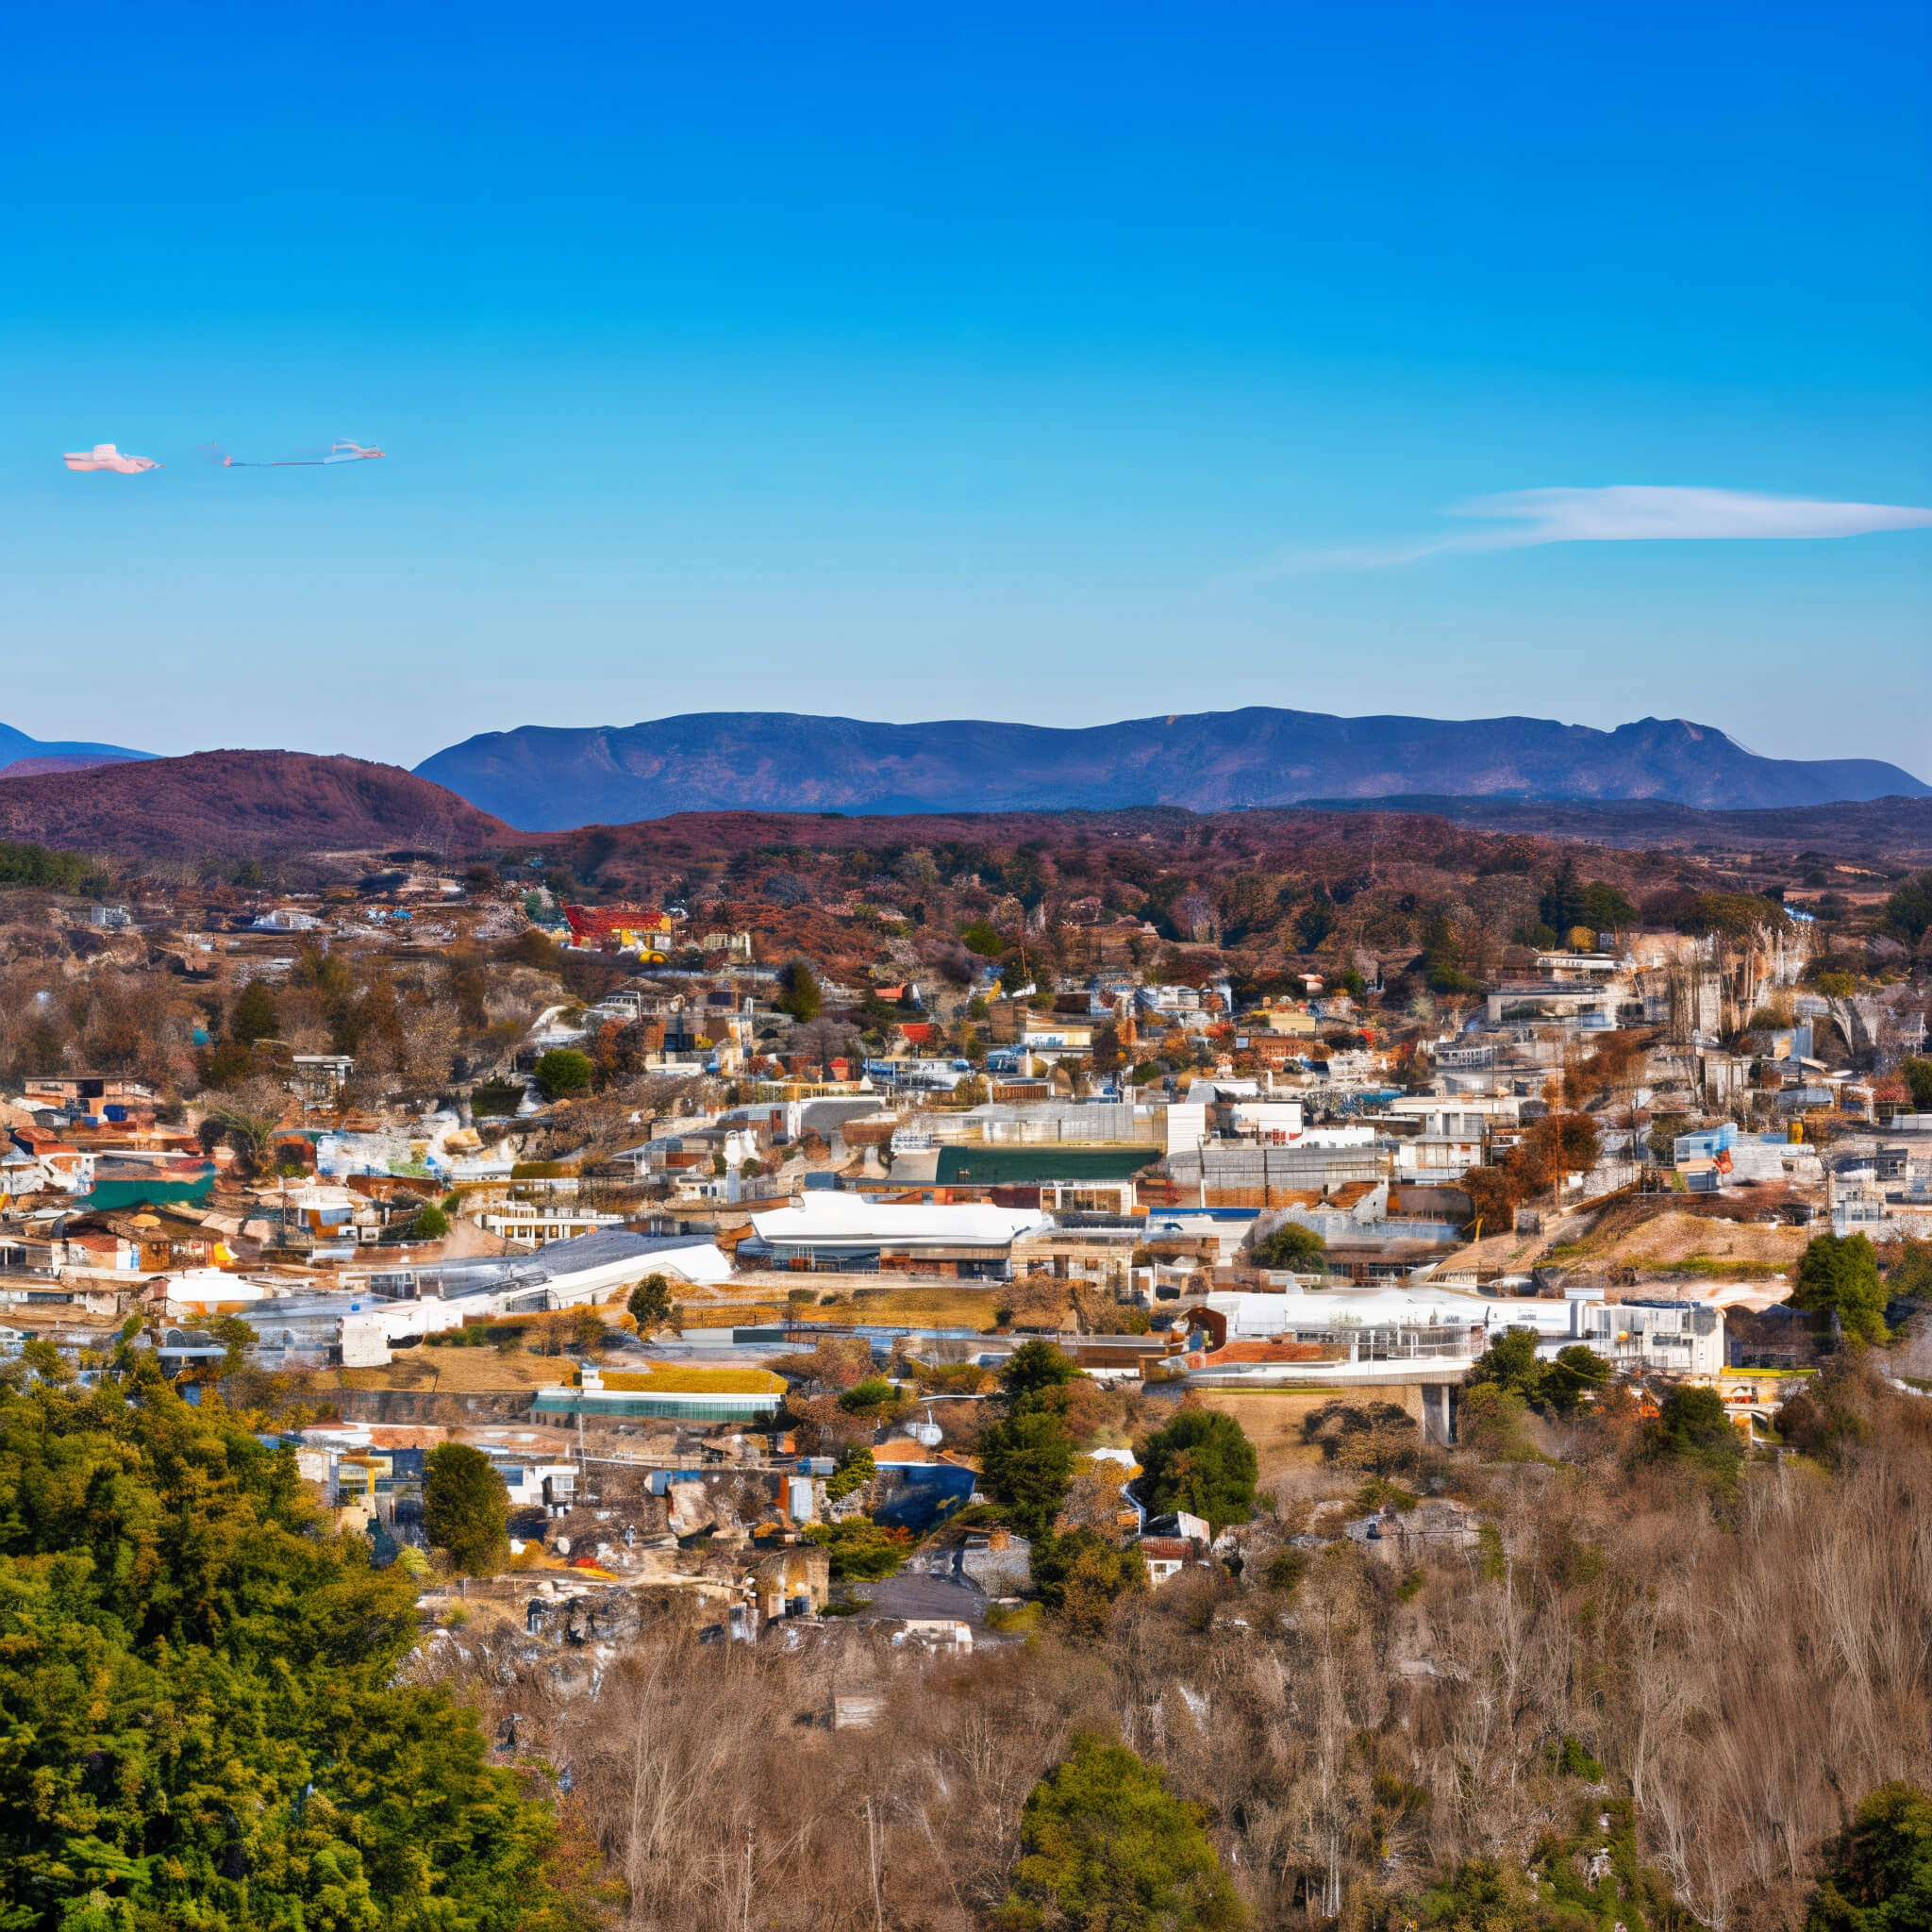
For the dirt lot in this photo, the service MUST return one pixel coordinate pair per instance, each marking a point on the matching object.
(1685, 1241)
(862, 1298)
(1271, 1421)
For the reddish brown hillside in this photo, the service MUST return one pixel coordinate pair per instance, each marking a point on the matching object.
(240, 804)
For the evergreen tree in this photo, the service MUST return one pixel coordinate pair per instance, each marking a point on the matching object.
(1103, 1844)
(1027, 1463)
(1879, 1879)
(1033, 1372)
(200, 1718)
(798, 992)
(466, 1508)
(1511, 1362)
(1562, 904)
(1840, 1272)
(254, 1015)
(1079, 1575)
(1202, 1462)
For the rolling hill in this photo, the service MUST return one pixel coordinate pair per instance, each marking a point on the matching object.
(547, 779)
(242, 803)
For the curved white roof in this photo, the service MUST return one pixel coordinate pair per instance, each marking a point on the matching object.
(840, 1218)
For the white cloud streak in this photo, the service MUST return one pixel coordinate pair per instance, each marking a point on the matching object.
(1621, 513)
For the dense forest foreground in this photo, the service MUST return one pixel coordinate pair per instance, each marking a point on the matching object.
(1653, 1690)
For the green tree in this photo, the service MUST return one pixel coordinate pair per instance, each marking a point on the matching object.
(1299, 1250)
(205, 1718)
(1027, 1463)
(1202, 1462)
(1080, 1575)
(1908, 1268)
(1840, 1272)
(430, 1225)
(1693, 1424)
(253, 1016)
(984, 940)
(798, 992)
(1878, 1877)
(1917, 1077)
(1577, 1372)
(856, 1468)
(649, 1304)
(1033, 1373)
(466, 1508)
(1604, 908)
(1511, 1362)
(1246, 908)
(238, 1338)
(564, 1070)
(1909, 909)
(877, 1396)
(1103, 1844)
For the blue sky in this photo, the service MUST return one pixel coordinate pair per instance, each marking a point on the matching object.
(1060, 364)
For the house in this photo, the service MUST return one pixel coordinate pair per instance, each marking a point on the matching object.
(530, 1226)
(1165, 1557)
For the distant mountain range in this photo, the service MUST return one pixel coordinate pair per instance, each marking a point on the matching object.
(21, 756)
(549, 779)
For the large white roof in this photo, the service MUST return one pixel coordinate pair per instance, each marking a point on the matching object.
(1273, 1314)
(831, 1218)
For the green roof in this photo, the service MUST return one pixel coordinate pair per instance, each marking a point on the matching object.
(1026, 1167)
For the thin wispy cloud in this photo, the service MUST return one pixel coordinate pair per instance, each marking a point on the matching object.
(1621, 513)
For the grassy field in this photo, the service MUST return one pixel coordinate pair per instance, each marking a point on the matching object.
(461, 1371)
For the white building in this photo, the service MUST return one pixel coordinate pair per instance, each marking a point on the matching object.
(849, 1232)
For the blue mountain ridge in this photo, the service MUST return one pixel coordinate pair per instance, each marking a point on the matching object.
(549, 779)
(15, 745)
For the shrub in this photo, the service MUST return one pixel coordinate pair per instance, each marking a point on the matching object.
(860, 1547)
(564, 1070)
(1293, 1247)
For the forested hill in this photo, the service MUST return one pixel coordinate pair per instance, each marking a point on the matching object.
(239, 804)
